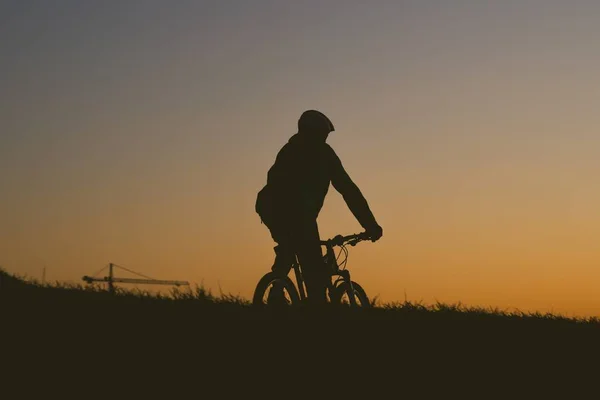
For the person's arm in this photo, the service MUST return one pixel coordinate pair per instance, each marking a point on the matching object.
(352, 195)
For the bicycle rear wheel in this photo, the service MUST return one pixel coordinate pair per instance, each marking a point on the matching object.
(340, 295)
(268, 288)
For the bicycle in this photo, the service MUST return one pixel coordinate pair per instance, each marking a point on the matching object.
(339, 284)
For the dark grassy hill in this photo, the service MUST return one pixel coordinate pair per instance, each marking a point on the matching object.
(223, 337)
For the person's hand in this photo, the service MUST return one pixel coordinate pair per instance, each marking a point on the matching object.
(375, 233)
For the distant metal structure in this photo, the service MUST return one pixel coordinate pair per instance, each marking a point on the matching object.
(110, 279)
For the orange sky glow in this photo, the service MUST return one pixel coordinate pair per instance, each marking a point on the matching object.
(139, 134)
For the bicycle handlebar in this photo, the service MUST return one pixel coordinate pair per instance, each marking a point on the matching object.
(340, 240)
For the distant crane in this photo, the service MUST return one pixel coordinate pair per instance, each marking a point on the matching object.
(110, 279)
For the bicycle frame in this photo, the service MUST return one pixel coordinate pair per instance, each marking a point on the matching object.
(331, 262)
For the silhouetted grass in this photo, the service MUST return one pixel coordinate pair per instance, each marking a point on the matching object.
(196, 308)
(219, 334)
(21, 291)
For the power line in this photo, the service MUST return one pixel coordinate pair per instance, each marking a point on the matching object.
(133, 272)
(103, 268)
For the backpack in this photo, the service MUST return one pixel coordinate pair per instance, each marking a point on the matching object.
(263, 204)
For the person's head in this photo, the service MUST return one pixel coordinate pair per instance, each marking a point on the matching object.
(315, 123)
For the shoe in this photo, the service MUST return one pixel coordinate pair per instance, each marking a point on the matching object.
(283, 261)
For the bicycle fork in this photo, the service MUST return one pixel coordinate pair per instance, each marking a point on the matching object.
(345, 274)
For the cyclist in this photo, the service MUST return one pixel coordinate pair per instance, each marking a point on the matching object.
(293, 196)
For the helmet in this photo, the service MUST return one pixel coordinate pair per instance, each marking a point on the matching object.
(313, 119)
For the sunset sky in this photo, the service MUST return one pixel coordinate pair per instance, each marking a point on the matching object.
(139, 132)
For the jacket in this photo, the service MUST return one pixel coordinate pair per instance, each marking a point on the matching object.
(299, 180)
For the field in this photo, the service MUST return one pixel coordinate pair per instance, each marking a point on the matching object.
(214, 338)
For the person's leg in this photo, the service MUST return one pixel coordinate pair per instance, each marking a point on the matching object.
(284, 251)
(300, 237)
(284, 254)
(310, 256)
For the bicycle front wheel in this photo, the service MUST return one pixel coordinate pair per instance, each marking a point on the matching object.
(340, 295)
(274, 289)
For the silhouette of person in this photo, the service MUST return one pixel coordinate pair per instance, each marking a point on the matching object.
(293, 196)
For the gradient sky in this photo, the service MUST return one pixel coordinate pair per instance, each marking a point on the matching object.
(139, 132)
